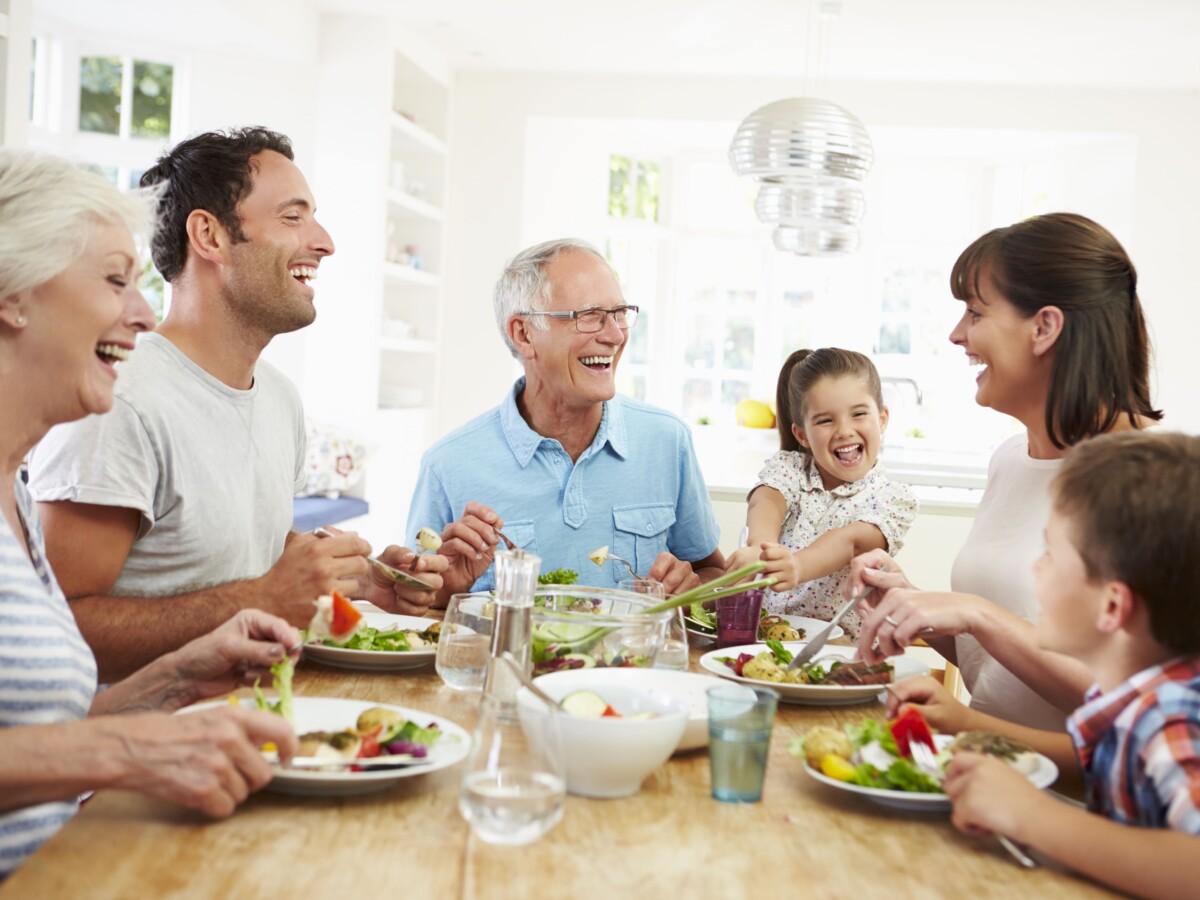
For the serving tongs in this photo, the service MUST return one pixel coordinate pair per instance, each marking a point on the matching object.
(716, 589)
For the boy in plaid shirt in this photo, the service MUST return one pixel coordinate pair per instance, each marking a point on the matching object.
(1118, 586)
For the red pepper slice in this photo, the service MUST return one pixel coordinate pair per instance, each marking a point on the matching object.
(370, 743)
(344, 616)
(910, 728)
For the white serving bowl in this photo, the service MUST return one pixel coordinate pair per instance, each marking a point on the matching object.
(611, 757)
(689, 687)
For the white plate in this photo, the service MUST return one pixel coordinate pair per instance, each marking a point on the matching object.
(690, 687)
(334, 714)
(377, 660)
(1042, 776)
(814, 694)
(812, 627)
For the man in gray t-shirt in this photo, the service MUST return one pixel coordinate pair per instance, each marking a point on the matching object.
(165, 517)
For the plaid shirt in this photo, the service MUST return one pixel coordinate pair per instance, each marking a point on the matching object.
(1139, 747)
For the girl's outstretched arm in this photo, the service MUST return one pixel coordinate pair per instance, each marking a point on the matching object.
(827, 554)
(765, 512)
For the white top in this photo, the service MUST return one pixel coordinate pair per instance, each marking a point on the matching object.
(47, 671)
(812, 510)
(211, 470)
(996, 562)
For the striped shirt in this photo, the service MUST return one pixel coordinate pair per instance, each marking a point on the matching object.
(47, 671)
(1139, 747)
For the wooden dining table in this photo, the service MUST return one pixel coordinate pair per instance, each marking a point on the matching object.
(804, 839)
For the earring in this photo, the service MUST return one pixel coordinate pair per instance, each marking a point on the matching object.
(20, 320)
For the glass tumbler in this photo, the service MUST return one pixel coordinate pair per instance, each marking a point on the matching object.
(464, 645)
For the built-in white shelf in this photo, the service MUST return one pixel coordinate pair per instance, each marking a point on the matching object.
(414, 134)
(409, 275)
(415, 206)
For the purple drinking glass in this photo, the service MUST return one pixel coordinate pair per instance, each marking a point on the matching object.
(737, 618)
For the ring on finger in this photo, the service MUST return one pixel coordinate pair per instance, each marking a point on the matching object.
(891, 621)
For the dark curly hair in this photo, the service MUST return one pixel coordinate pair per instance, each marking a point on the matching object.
(210, 171)
(1101, 367)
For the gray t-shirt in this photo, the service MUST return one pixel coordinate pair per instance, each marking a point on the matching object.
(211, 470)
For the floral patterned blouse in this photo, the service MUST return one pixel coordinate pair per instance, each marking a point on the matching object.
(813, 510)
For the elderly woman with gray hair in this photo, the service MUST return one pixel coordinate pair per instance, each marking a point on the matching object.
(69, 313)
(565, 464)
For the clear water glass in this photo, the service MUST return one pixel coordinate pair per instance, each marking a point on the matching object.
(465, 644)
(739, 737)
(674, 652)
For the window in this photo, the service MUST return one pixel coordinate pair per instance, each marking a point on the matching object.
(110, 109)
(125, 97)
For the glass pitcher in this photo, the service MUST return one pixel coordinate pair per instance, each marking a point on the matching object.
(513, 783)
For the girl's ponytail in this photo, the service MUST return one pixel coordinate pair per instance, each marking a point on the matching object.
(783, 411)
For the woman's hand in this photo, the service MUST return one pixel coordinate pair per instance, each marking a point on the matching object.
(876, 573)
(904, 614)
(209, 760)
(236, 654)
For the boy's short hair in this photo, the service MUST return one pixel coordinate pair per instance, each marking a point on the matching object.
(1133, 501)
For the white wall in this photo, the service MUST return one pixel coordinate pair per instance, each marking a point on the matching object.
(493, 111)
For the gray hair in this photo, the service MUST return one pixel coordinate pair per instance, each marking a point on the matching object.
(48, 208)
(524, 287)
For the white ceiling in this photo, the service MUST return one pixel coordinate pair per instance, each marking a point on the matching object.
(1110, 43)
(1132, 43)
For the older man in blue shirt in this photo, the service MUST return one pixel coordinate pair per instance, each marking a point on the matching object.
(564, 465)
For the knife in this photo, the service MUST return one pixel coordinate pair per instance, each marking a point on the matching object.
(814, 646)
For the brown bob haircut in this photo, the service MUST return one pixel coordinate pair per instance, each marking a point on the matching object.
(1101, 368)
(1133, 503)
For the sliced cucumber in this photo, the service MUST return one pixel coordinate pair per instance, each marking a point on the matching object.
(585, 704)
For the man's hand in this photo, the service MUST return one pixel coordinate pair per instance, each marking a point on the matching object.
(397, 597)
(209, 760)
(310, 567)
(470, 545)
(674, 574)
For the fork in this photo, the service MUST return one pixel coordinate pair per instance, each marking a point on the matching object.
(624, 562)
(923, 756)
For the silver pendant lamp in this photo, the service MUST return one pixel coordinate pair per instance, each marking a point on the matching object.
(811, 157)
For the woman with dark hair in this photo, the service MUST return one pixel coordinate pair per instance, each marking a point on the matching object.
(1053, 317)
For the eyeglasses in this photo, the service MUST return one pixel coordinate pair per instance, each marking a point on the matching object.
(589, 321)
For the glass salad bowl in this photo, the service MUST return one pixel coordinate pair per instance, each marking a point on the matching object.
(576, 627)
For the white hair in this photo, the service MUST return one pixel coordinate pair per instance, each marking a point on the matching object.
(524, 287)
(48, 208)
